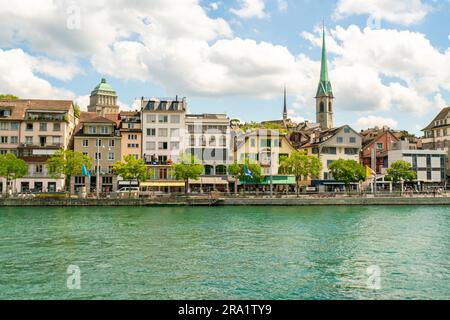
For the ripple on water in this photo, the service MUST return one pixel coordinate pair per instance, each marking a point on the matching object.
(226, 253)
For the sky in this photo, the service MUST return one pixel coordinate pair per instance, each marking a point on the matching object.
(389, 61)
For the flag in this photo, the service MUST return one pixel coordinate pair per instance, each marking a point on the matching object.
(85, 171)
(369, 172)
(247, 172)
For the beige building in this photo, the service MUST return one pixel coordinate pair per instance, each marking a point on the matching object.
(34, 130)
(99, 138)
(131, 133)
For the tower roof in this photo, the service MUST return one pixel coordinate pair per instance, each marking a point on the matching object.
(104, 87)
(324, 84)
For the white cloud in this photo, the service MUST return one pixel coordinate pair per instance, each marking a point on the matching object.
(374, 121)
(405, 12)
(214, 5)
(18, 76)
(250, 9)
(282, 5)
(389, 69)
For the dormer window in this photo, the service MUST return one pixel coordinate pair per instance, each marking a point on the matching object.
(5, 113)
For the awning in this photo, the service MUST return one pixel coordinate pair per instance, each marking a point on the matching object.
(163, 184)
(209, 180)
(276, 180)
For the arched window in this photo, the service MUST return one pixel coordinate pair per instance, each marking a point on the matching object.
(221, 170)
(330, 107)
(209, 170)
(322, 107)
(212, 141)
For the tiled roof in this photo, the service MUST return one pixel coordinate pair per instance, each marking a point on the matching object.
(441, 116)
(20, 107)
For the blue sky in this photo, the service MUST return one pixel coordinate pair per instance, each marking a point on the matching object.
(389, 61)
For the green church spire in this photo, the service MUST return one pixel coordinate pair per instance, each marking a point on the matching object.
(325, 84)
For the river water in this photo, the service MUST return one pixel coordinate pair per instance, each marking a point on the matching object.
(225, 253)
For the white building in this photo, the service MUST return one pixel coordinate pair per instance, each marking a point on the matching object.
(163, 125)
(430, 165)
(334, 144)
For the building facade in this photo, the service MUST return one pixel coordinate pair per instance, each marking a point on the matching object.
(131, 134)
(437, 135)
(331, 145)
(99, 138)
(208, 138)
(430, 165)
(34, 130)
(376, 142)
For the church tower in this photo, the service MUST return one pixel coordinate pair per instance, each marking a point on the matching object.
(103, 99)
(324, 96)
(285, 111)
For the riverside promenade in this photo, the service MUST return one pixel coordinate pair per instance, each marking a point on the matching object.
(341, 200)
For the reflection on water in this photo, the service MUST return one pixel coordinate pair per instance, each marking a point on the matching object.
(225, 252)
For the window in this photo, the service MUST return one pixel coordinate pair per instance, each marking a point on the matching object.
(329, 150)
(175, 146)
(151, 118)
(85, 143)
(253, 143)
(110, 156)
(223, 141)
(163, 132)
(340, 140)
(162, 145)
(14, 140)
(175, 119)
(98, 142)
(57, 127)
(266, 143)
(175, 132)
(42, 126)
(192, 140)
(150, 145)
(3, 139)
(29, 127)
(212, 141)
(28, 140)
(202, 141)
(79, 180)
(379, 146)
(92, 130)
(56, 140)
(330, 109)
(14, 126)
(347, 130)
(4, 126)
(39, 168)
(104, 130)
(130, 125)
(352, 140)
(351, 151)
(112, 143)
(151, 132)
(132, 137)
(98, 156)
(163, 119)
(322, 107)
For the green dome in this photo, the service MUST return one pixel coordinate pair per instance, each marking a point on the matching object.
(104, 87)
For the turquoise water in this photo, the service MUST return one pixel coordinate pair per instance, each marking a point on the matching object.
(225, 252)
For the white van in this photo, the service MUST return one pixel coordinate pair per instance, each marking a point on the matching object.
(128, 189)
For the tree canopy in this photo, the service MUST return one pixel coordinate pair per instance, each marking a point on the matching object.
(401, 170)
(187, 168)
(300, 165)
(11, 167)
(132, 169)
(8, 97)
(347, 171)
(68, 163)
(237, 170)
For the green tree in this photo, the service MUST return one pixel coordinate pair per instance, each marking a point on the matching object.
(347, 171)
(188, 168)
(68, 163)
(8, 97)
(12, 168)
(77, 111)
(132, 169)
(237, 170)
(301, 165)
(401, 170)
